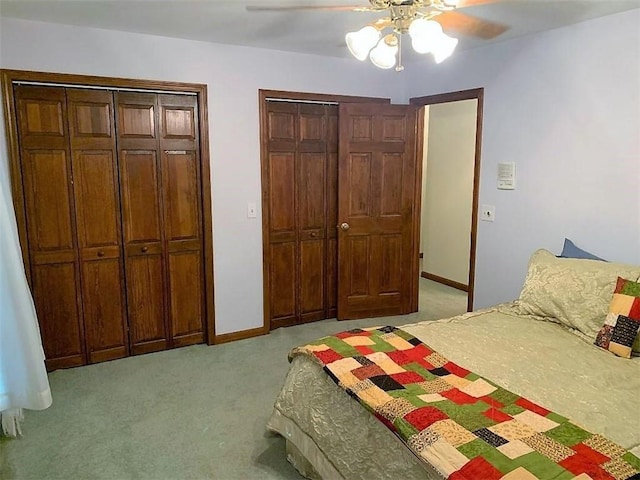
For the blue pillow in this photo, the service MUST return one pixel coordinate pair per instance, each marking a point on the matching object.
(569, 250)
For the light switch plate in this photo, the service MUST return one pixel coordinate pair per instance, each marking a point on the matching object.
(488, 213)
(252, 210)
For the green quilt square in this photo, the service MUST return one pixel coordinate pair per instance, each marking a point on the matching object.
(468, 416)
(632, 460)
(476, 448)
(405, 429)
(504, 396)
(536, 463)
(568, 434)
(512, 409)
(339, 346)
(556, 418)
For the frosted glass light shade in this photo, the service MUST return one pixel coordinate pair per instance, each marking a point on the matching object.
(361, 42)
(444, 48)
(384, 55)
(425, 35)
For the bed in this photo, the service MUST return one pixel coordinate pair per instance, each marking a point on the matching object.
(540, 347)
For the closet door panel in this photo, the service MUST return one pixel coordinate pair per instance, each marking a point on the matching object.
(182, 217)
(105, 328)
(47, 175)
(185, 278)
(140, 196)
(312, 222)
(312, 277)
(182, 230)
(283, 284)
(92, 133)
(56, 301)
(332, 211)
(143, 250)
(145, 299)
(47, 178)
(180, 174)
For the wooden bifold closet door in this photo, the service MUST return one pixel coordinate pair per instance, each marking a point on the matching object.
(300, 185)
(113, 212)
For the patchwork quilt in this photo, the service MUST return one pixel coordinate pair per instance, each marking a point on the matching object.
(464, 425)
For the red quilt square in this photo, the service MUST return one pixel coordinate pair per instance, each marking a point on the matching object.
(578, 464)
(386, 422)
(524, 403)
(456, 369)
(492, 402)
(368, 371)
(459, 397)
(407, 377)
(590, 453)
(364, 350)
(496, 415)
(399, 357)
(328, 356)
(418, 352)
(422, 417)
(422, 362)
(634, 312)
(476, 468)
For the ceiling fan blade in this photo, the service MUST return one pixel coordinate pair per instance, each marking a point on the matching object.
(335, 8)
(470, 26)
(474, 3)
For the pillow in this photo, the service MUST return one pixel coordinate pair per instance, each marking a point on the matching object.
(569, 250)
(620, 329)
(573, 292)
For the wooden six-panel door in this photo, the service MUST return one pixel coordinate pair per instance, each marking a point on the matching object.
(299, 181)
(376, 198)
(51, 230)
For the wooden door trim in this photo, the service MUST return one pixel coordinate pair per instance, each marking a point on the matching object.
(478, 94)
(8, 77)
(281, 95)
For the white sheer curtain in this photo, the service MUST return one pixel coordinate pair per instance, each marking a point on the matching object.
(23, 378)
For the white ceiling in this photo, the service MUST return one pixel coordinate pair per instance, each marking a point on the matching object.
(315, 32)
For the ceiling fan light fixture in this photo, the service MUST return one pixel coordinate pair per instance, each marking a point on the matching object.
(361, 42)
(384, 54)
(444, 48)
(425, 34)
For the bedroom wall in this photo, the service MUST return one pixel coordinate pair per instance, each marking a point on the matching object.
(233, 76)
(565, 106)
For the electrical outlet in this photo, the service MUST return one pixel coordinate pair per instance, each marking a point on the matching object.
(488, 213)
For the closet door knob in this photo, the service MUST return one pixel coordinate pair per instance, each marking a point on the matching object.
(344, 226)
(144, 249)
(313, 234)
(101, 253)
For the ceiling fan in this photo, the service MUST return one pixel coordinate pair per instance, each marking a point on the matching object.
(424, 21)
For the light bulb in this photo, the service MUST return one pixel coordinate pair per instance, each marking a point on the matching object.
(384, 55)
(362, 41)
(444, 48)
(424, 34)
(450, 3)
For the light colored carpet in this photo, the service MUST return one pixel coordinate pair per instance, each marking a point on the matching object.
(192, 413)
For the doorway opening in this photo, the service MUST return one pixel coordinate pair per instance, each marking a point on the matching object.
(450, 174)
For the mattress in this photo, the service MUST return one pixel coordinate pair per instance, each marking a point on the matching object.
(332, 436)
